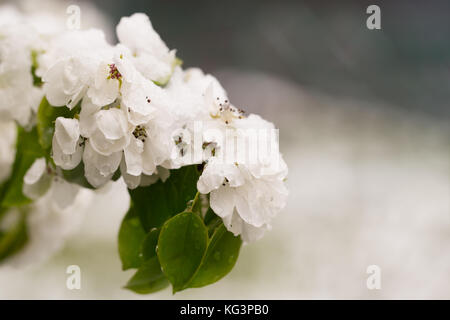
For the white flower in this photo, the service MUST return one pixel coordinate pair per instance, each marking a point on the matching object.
(135, 120)
(63, 193)
(143, 180)
(188, 93)
(133, 158)
(249, 194)
(112, 131)
(17, 93)
(120, 79)
(140, 99)
(67, 133)
(8, 137)
(105, 88)
(40, 180)
(149, 147)
(90, 45)
(54, 216)
(87, 117)
(245, 203)
(192, 114)
(139, 96)
(150, 54)
(99, 168)
(36, 180)
(121, 109)
(66, 82)
(67, 145)
(132, 181)
(69, 67)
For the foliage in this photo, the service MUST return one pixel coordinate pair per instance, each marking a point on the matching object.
(167, 239)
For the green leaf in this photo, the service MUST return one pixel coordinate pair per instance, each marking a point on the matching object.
(149, 278)
(131, 236)
(181, 246)
(148, 248)
(162, 200)
(46, 117)
(13, 239)
(27, 151)
(220, 258)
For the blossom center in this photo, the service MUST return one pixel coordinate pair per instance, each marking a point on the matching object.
(227, 112)
(114, 72)
(140, 133)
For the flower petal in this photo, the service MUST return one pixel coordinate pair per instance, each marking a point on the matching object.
(67, 133)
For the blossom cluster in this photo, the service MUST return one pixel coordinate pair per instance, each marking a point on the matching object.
(27, 28)
(138, 113)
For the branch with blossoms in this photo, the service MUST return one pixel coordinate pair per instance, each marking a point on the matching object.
(203, 176)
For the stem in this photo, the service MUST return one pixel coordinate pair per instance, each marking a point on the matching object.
(195, 203)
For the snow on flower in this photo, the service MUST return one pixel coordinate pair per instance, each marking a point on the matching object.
(149, 52)
(16, 45)
(246, 184)
(245, 181)
(69, 66)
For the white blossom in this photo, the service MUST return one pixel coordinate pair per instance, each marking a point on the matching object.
(36, 181)
(246, 195)
(138, 113)
(149, 52)
(112, 133)
(40, 179)
(8, 137)
(27, 30)
(99, 169)
(17, 93)
(69, 67)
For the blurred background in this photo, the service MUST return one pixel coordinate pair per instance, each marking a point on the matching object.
(365, 129)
